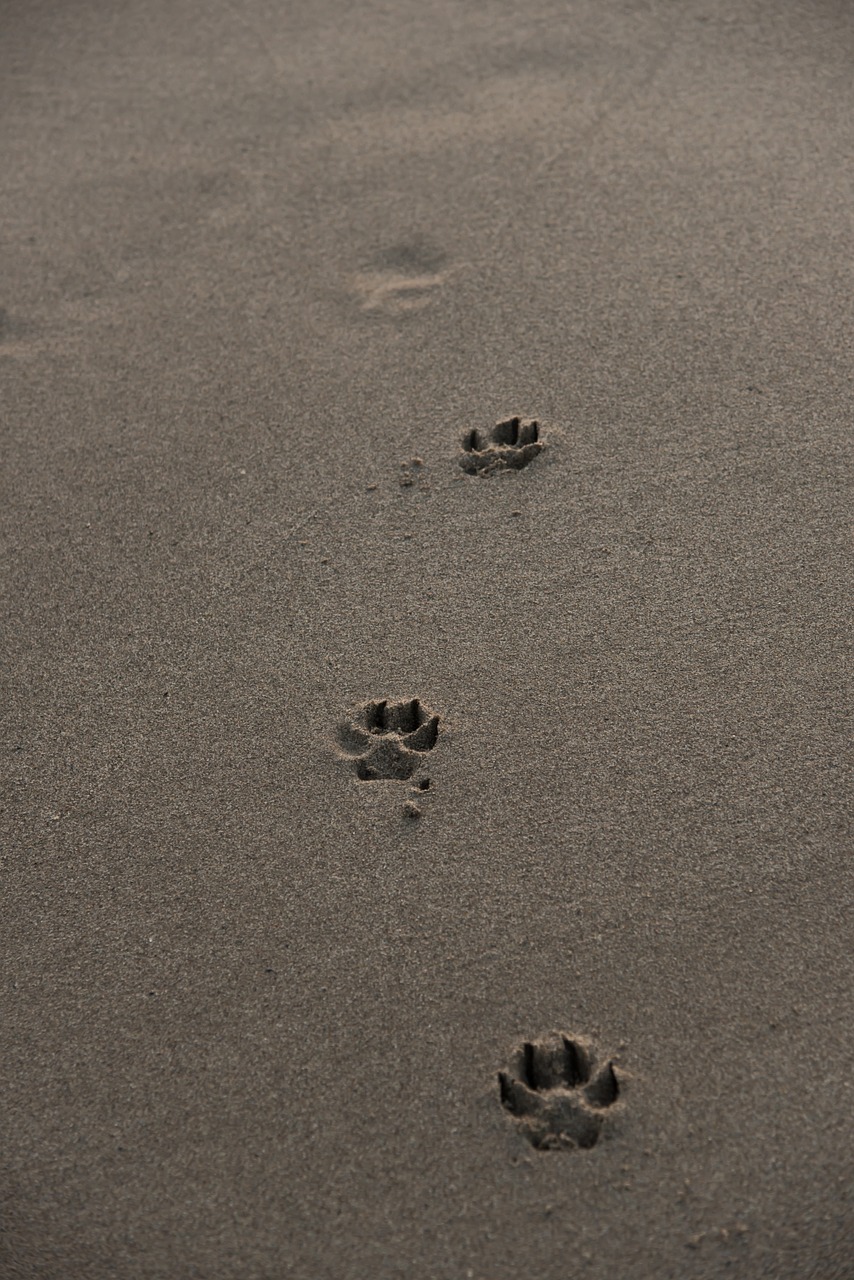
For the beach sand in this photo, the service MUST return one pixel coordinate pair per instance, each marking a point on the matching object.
(265, 267)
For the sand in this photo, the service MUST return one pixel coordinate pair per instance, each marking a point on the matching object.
(265, 266)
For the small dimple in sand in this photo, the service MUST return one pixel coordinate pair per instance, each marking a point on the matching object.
(397, 294)
(402, 277)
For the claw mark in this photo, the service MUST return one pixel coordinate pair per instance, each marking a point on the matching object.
(425, 737)
(605, 1089)
(577, 1063)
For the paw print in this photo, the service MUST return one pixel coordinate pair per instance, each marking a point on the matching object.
(388, 739)
(557, 1092)
(509, 446)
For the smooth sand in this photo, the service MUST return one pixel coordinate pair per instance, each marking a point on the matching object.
(258, 255)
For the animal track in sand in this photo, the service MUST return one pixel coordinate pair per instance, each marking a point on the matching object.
(511, 445)
(557, 1093)
(402, 278)
(389, 739)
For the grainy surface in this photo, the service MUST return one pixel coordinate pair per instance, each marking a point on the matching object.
(256, 256)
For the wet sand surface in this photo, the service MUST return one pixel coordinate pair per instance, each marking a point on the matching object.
(265, 266)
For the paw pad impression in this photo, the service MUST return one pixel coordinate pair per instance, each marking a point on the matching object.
(509, 446)
(389, 739)
(557, 1092)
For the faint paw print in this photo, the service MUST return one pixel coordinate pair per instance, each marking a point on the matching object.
(509, 446)
(557, 1093)
(389, 739)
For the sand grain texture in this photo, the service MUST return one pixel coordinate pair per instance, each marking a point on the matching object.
(264, 265)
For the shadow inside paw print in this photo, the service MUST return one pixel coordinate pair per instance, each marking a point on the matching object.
(388, 739)
(509, 446)
(557, 1093)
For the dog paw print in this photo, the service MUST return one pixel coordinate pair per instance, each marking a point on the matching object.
(558, 1093)
(390, 739)
(509, 446)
